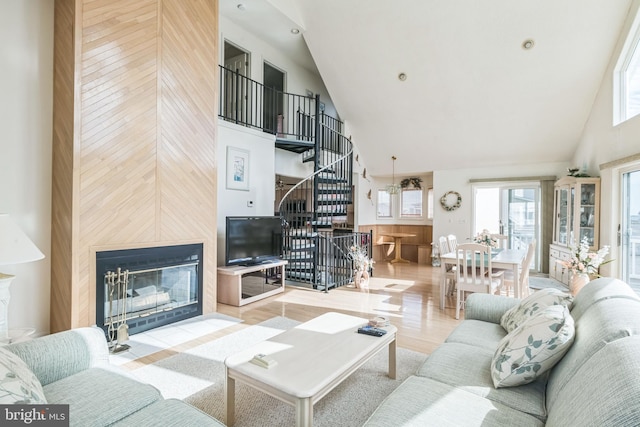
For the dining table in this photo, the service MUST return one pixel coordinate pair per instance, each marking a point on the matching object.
(507, 259)
(397, 243)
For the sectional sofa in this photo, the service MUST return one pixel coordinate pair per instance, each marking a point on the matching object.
(72, 367)
(596, 381)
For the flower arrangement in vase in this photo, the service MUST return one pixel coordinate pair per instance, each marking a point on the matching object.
(361, 263)
(584, 264)
(485, 238)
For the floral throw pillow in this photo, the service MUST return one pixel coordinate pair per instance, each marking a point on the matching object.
(533, 304)
(17, 383)
(533, 348)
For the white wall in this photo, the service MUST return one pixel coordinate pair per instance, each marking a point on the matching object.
(298, 79)
(459, 221)
(261, 147)
(602, 142)
(26, 85)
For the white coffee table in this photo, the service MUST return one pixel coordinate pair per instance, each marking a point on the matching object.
(312, 359)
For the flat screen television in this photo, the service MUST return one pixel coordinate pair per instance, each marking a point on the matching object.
(253, 240)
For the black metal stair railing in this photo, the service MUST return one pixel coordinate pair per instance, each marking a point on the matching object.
(335, 266)
(249, 103)
(310, 209)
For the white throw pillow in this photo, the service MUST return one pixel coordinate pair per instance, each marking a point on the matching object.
(17, 383)
(533, 304)
(533, 348)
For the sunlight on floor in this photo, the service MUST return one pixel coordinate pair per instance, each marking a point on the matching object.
(390, 284)
(340, 299)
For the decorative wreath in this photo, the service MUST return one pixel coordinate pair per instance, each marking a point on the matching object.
(444, 201)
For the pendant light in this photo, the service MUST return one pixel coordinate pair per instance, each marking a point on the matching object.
(393, 188)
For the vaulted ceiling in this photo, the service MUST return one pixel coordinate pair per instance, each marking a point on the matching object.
(473, 96)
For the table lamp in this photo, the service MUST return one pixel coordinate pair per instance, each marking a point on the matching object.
(15, 248)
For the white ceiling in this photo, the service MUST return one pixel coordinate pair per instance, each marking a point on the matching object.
(473, 96)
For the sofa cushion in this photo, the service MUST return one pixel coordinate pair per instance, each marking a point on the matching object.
(469, 368)
(533, 348)
(17, 383)
(422, 402)
(478, 333)
(598, 290)
(487, 307)
(532, 305)
(172, 412)
(99, 397)
(608, 320)
(605, 391)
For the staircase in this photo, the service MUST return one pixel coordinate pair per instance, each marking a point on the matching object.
(316, 251)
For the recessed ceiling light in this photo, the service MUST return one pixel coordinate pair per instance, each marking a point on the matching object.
(402, 77)
(527, 44)
(295, 31)
(241, 6)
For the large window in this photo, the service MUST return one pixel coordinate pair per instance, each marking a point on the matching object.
(384, 204)
(411, 203)
(630, 226)
(511, 209)
(626, 78)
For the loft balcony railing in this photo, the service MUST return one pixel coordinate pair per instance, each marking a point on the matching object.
(287, 115)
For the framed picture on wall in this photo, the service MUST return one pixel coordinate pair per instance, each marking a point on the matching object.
(237, 169)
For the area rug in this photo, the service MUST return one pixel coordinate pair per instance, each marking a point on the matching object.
(536, 282)
(197, 377)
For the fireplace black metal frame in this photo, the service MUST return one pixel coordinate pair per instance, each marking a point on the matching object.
(144, 259)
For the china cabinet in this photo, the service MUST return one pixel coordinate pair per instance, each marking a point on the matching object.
(576, 216)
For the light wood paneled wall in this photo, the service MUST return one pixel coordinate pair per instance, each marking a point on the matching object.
(383, 245)
(135, 113)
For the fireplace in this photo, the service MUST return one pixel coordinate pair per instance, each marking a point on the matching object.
(148, 287)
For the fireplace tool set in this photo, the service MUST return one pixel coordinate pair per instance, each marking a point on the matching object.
(118, 330)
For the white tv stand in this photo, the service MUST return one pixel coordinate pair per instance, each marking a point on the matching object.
(240, 285)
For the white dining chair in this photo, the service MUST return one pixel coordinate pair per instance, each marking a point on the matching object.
(525, 267)
(452, 240)
(474, 273)
(449, 281)
(443, 245)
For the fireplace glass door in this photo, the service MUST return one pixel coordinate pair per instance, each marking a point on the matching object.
(154, 290)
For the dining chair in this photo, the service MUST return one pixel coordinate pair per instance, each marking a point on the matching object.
(452, 240)
(443, 245)
(523, 283)
(450, 274)
(474, 273)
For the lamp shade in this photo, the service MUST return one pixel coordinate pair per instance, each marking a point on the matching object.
(15, 246)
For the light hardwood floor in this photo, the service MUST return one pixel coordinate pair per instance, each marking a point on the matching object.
(407, 294)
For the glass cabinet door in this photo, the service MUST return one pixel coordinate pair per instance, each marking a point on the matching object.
(562, 224)
(587, 212)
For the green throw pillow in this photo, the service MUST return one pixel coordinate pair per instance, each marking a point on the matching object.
(533, 304)
(17, 383)
(533, 348)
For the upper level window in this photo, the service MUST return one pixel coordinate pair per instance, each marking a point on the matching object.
(626, 77)
(384, 204)
(411, 203)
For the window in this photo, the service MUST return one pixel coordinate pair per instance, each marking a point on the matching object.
(384, 204)
(511, 209)
(411, 203)
(430, 203)
(626, 77)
